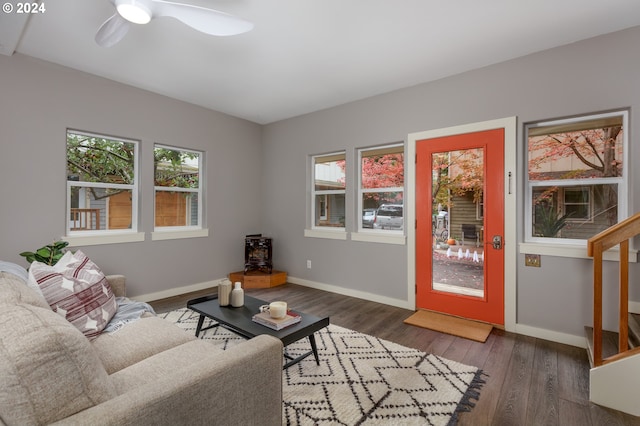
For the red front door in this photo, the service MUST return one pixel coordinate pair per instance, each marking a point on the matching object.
(460, 225)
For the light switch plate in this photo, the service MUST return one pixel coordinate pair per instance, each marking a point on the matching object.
(532, 260)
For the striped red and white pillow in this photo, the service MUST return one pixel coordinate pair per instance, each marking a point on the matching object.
(76, 289)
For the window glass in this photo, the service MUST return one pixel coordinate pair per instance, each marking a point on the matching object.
(101, 183)
(329, 190)
(576, 176)
(457, 192)
(480, 208)
(178, 192)
(381, 188)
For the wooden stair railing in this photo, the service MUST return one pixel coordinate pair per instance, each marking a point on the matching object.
(596, 246)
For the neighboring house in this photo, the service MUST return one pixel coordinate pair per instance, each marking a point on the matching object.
(97, 210)
(329, 177)
(464, 210)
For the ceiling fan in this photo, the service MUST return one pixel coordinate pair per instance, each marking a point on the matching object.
(208, 21)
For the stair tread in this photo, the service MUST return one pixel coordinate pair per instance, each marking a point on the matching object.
(609, 343)
(634, 330)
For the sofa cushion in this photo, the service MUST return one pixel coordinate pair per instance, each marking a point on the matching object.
(76, 289)
(48, 369)
(162, 364)
(136, 341)
(14, 290)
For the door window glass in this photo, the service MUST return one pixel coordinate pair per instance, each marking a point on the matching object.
(457, 194)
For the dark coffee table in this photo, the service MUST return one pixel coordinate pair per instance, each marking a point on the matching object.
(239, 321)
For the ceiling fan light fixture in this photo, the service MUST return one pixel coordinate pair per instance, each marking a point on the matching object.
(134, 11)
(203, 19)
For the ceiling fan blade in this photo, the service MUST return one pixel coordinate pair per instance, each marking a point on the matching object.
(208, 21)
(112, 31)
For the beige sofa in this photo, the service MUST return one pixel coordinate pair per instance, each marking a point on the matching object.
(150, 372)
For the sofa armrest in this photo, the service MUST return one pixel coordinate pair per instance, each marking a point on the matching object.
(118, 285)
(242, 385)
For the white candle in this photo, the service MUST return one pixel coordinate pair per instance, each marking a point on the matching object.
(278, 309)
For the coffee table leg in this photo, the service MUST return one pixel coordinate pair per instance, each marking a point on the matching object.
(314, 348)
(199, 327)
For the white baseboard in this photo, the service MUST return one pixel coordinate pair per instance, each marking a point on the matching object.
(541, 333)
(177, 291)
(634, 307)
(553, 336)
(352, 293)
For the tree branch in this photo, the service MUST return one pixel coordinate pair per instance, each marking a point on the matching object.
(586, 162)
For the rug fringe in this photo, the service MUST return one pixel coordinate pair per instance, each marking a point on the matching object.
(472, 394)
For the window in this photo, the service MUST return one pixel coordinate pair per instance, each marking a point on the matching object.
(577, 205)
(178, 188)
(328, 194)
(576, 180)
(102, 184)
(480, 208)
(381, 188)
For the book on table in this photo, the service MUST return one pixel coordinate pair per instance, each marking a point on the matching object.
(264, 318)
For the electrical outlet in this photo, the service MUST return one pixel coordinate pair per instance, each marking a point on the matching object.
(532, 260)
(308, 264)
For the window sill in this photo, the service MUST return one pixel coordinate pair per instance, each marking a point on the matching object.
(175, 234)
(95, 239)
(379, 237)
(339, 234)
(574, 251)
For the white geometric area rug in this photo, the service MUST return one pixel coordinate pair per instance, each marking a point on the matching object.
(362, 380)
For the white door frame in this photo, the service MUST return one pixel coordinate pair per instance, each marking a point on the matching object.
(510, 216)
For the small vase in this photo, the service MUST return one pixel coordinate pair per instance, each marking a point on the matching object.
(224, 292)
(237, 296)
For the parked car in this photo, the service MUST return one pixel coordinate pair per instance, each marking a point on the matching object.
(389, 216)
(368, 216)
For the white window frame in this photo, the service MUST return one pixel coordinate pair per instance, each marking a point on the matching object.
(621, 181)
(387, 236)
(313, 230)
(105, 236)
(187, 231)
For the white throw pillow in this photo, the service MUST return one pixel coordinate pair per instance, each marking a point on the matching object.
(77, 290)
(58, 267)
(14, 269)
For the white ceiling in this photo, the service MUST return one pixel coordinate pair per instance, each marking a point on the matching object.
(307, 55)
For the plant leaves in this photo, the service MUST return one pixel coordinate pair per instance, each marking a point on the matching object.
(49, 254)
(44, 252)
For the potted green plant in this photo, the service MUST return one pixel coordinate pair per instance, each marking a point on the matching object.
(49, 254)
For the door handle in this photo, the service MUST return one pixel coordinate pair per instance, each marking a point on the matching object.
(497, 242)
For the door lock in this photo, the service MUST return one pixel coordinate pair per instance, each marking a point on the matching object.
(497, 242)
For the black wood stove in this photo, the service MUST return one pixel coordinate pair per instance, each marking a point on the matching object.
(257, 254)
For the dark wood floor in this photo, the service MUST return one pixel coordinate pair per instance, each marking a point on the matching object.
(529, 381)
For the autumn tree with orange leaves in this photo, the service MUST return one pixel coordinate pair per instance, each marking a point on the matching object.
(456, 173)
(384, 171)
(598, 153)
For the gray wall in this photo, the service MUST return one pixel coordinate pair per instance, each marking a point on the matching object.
(590, 76)
(40, 100)
(257, 175)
